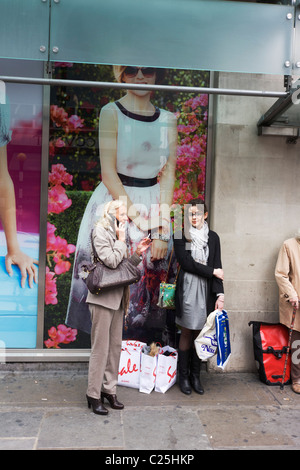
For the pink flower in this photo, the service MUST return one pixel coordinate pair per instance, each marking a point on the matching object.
(59, 175)
(59, 249)
(50, 288)
(63, 248)
(62, 266)
(58, 201)
(68, 333)
(74, 124)
(50, 237)
(60, 335)
(58, 115)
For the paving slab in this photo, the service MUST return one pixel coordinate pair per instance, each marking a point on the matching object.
(176, 428)
(67, 428)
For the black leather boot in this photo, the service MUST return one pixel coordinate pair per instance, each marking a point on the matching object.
(184, 369)
(113, 401)
(96, 405)
(195, 372)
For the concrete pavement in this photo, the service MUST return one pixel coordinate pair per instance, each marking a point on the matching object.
(44, 407)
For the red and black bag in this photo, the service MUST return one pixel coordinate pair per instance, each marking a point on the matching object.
(270, 344)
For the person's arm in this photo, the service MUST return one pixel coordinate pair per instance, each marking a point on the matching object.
(282, 271)
(8, 218)
(188, 264)
(108, 128)
(217, 282)
(167, 181)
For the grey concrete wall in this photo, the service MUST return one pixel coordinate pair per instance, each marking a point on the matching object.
(255, 205)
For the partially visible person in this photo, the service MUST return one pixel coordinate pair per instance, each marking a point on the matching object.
(199, 288)
(107, 309)
(8, 209)
(287, 274)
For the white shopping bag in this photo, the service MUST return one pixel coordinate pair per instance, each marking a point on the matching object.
(148, 370)
(130, 364)
(166, 369)
(206, 342)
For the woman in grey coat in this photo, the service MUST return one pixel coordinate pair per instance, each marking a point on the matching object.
(107, 309)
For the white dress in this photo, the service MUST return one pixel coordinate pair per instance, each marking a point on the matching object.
(142, 152)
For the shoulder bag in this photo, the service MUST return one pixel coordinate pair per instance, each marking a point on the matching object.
(98, 276)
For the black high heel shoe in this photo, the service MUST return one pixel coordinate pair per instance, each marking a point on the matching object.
(96, 405)
(113, 401)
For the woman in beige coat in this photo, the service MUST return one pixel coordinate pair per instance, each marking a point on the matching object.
(107, 309)
(287, 273)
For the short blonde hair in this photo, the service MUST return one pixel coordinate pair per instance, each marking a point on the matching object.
(109, 210)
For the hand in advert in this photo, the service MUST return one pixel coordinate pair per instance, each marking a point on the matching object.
(26, 265)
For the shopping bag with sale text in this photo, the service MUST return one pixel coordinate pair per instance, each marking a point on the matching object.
(166, 369)
(130, 364)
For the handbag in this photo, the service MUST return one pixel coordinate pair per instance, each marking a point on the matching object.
(270, 345)
(166, 297)
(98, 276)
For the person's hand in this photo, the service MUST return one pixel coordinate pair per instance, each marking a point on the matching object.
(143, 246)
(219, 273)
(26, 265)
(159, 249)
(295, 302)
(219, 305)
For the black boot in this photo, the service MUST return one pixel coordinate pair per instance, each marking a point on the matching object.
(96, 405)
(195, 372)
(184, 369)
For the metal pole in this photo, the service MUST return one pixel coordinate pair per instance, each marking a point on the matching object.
(183, 89)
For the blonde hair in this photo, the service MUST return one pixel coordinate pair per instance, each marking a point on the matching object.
(109, 210)
(297, 235)
(118, 72)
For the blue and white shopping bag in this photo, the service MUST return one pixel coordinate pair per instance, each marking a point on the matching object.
(223, 338)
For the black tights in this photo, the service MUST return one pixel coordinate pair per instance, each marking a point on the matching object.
(187, 338)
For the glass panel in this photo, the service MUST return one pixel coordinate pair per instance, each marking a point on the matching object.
(296, 70)
(206, 35)
(20, 177)
(76, 177)
(24, 29)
